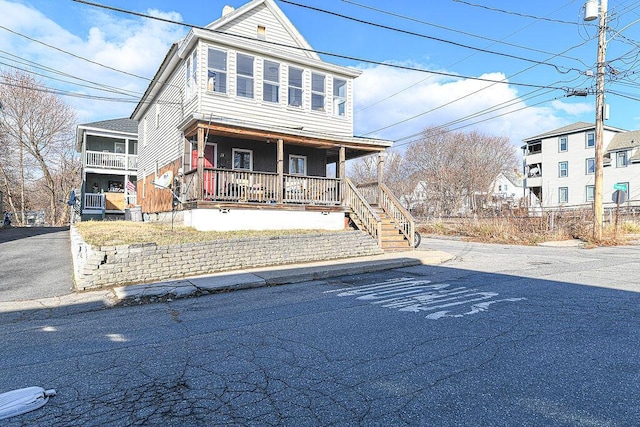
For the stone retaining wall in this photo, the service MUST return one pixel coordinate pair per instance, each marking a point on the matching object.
(97, 267)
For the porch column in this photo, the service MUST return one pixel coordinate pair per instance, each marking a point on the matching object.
(342, 171)
(200, 188)
(381, 157)
(280, 170)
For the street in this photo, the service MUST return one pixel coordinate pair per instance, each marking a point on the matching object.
(500, 336)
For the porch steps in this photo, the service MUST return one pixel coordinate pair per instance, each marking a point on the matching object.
(392, 239)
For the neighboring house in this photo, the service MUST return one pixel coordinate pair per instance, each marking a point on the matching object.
(560, 165)
(109, 162)
(242, 121)
(506, 193)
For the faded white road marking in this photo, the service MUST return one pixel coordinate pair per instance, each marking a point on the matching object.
(409, 294)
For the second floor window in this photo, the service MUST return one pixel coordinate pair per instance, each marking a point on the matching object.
(295, 87)
(317, 92)
(563, 195)
(339, 97)
(217, 71)
(244, 84)
(621, 159)
(591, 166)
(271, 82)
(562, 143)
(591, 140)
(563, 169)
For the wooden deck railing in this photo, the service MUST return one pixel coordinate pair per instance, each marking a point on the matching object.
(94, 201)
(262, 187)
(370, 221)
(107, 160)
(402, 218)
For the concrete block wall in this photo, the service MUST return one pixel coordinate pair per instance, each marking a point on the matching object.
(98, 267)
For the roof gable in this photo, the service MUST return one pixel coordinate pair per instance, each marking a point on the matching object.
(245, 20)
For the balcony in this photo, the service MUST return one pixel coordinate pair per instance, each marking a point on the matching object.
(108, 160)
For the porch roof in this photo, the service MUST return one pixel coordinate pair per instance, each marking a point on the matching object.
(355, 146)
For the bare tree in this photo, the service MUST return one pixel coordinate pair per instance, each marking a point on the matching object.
(37, 128)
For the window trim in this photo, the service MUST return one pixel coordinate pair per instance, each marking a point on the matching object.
(304, 162)
(590, 189)
(217, 71)
(266, 82)
(586, 142)
(295, 88)
(586, 165)
(563, 140)
(338, 99)
(562, 190)
(626, 159)
(247, 77)
(233, 159)
(560, 169)
(317, 93)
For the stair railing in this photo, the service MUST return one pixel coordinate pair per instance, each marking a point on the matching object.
(403, 219)
(370, 221)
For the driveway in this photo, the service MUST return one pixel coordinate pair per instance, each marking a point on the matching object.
(35, 262)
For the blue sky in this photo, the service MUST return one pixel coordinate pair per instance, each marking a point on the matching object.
(543, 48)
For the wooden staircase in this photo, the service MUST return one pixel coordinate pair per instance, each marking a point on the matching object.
(391, 238)
(377, 212)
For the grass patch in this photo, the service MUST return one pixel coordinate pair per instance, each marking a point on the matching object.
(108, 233)
(528, 231)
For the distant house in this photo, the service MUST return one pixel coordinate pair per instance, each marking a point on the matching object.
(109, 151)
(560, 165)
(240, 125)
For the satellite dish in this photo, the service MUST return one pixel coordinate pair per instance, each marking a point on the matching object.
(164, 180)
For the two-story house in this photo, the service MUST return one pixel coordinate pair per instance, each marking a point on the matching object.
(241, 125)
(109, 167)
(560, 165)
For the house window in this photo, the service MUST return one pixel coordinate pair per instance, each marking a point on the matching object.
(562, 144)
(295, 87)
(590, 193)
(591, 139)
(591, 166)
(245, 76)
(317, 92)
(621, 159)
(217, 71)
(261, 33)
(271, 82)
(563, 194)
(297, 165)
(119, 148)
(194, 74)
(339, 97)
(242, 159)
(563, 169)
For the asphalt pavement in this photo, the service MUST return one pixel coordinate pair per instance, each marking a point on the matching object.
(46, 280)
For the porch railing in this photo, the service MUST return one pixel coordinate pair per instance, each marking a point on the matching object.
(262, 187)
(369, 220)
(94, 201)
(402, 218)
(107, 160)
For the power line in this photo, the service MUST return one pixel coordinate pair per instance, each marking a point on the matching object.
(508, 12)
(409, 18)
(335, 55)
(398, 30)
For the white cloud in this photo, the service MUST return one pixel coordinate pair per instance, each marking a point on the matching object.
(573, 109)
(133, 45)
(434, 100)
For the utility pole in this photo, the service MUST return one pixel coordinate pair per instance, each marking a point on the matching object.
(598, 211)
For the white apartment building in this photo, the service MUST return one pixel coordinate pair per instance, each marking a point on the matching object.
(559, 166)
